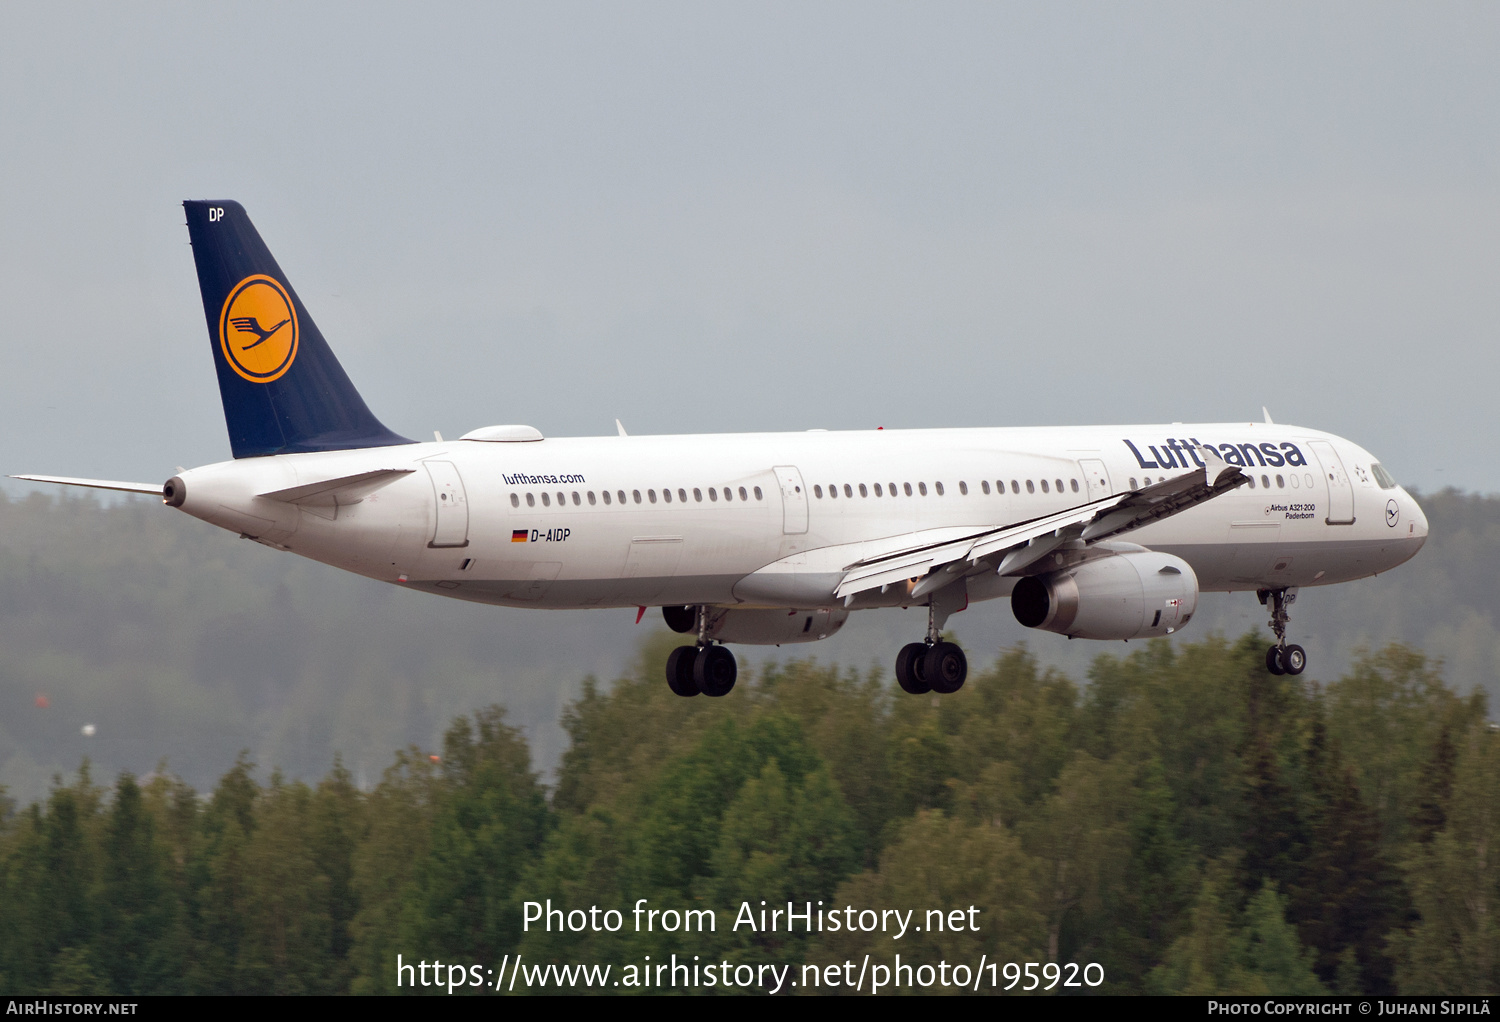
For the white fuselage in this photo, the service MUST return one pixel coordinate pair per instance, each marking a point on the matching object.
(528, 524)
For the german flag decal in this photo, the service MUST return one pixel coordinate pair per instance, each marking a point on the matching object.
(518, 536)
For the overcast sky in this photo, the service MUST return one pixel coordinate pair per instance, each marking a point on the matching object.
(707, 217)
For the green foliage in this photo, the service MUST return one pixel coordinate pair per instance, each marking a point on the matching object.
(1253, 953)
(1185, 820)
(936, 863)
(1455, 881)
(488, 822)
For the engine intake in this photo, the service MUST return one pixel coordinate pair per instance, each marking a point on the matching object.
(1123, 596)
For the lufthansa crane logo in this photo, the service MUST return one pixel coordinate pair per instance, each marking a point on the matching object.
(258, 329)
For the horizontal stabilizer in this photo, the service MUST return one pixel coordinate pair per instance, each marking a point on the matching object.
(97, 484)
(341, 491)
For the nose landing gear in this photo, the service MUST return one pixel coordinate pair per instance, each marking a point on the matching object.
(704, 668)
(1282, 658)
(934, 665)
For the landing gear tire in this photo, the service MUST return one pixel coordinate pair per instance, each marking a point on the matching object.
(945, 667)
(1282, 658)
(1274, 662)
(911, 668)
(680, 670)
(714, 671)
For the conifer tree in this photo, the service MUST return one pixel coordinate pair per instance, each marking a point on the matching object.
(1454, 946)
(1434, 788)
(1348, 895)
(138, 948)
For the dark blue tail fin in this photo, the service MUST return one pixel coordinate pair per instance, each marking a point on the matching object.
(283, 390)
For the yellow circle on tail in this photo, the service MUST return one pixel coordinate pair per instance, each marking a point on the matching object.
(258, 329)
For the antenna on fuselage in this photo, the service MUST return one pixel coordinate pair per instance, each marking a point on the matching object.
(621, 427)
(1266, 412)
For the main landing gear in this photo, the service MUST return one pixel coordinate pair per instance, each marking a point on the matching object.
(704, 668)
(1282, 658)
(933, 665)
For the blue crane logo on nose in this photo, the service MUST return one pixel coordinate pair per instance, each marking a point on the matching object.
(1392, 513)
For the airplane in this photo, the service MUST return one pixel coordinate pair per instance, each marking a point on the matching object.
(1098, 532)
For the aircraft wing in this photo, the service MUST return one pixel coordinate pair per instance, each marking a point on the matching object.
(1013, 549)
(97, 484)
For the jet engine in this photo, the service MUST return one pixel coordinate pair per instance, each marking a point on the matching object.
(1122, 596)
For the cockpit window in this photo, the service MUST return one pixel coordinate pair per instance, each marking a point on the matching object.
(1382, 477)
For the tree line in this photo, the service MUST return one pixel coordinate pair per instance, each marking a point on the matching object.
(1185, 820)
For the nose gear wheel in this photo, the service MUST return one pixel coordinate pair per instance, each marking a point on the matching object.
(1282, 658)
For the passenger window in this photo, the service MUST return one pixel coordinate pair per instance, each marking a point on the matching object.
(818, 491)
(1250, 482)
(848, 490)
(1280, 483)
(1059, 485)
(681, 495)
(530, 500)
(758, 495)
(697, 494)
(939, 488)
(728, 493)
(1146, 481)
(1015, 487)
(878, 491)
(1030, 486)
(546, 500)
(515, 501)
(1265, 481)
(1293, 477)
(1075, 484)
(666, 495)
(637, 495)
(922, 489)
(984, 486)
(862, 491)
(592, 501)
(833, 491)
(606, 497)
(1044, 486)
(963, 488)
(713, 494)
(621, 495)
(743, 494)
(651, 496)
(576, 499)
(562, 499)
(1133, 484)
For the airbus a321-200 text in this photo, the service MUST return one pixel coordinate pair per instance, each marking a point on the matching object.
(1097, 532)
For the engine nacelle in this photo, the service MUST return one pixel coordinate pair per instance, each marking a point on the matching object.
(1123, 596)
(775, 627)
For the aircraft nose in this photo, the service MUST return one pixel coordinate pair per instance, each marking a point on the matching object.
(1417, 531)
